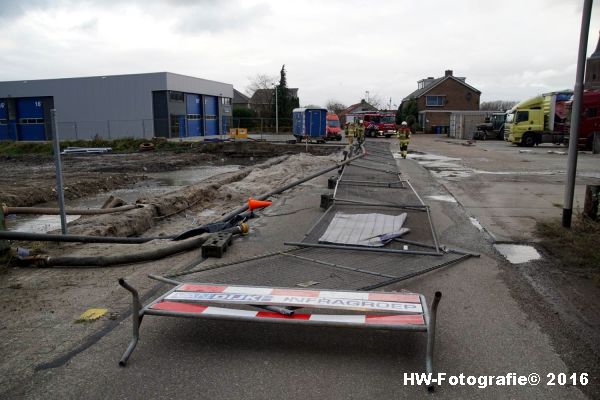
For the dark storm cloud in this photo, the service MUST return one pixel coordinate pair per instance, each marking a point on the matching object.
(15, 9)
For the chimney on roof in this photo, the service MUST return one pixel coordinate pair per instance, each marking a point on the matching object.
(448, 73)
(425, 82)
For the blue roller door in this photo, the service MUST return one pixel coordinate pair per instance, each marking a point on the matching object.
(211, 107)
(30, 119)
(193, 107)
(3, 120)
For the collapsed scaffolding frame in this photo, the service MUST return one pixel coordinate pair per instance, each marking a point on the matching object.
(389, 185)
(310, 251)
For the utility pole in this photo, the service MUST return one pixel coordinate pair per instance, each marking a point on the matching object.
(576, 116)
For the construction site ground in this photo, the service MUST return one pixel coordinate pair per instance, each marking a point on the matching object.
(494, 318)
(29, 179)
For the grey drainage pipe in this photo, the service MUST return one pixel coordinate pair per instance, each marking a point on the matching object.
(106, 261)
(149, 255)
(72, 211)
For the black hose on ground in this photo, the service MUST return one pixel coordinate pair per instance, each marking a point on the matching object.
(45, 237)
(216, 226)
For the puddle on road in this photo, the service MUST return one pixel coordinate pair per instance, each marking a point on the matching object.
(36, 224)
(589, 174)
(157, 184)
(518, 253)
(445, 198)
(451, 167)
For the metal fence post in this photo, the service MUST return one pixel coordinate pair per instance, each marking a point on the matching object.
(3, 243)
(75, 128)
(261, 128)
(59, 182)
(108, 126)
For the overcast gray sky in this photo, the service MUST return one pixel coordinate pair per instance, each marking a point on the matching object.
(510, 50)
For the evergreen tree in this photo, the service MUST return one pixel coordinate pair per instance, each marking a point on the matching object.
(243, 118)
(408, 112)
(285, 101)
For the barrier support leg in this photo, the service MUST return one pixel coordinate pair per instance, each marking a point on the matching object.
(136, 321)
(431, 337)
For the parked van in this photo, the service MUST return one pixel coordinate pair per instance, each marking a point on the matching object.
(334, 130)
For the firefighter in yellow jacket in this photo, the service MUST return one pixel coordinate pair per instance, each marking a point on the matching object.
(360, 131)
(404, 138)
(350, 132)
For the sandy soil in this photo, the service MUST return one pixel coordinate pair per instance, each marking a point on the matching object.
(40, 306)
(30, 179)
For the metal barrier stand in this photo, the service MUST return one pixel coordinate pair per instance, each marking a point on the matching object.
(414, 314)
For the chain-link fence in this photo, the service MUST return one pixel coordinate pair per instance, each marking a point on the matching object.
(263, 125)
(178, 127)
(108, 129)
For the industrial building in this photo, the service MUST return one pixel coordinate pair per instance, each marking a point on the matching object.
(115, 106)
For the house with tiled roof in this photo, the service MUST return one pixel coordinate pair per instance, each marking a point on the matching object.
(240, 100)
(354, 108)
(263, 100)
(437, 98)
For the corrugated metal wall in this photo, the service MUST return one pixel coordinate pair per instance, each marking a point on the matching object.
(109, 107)
(463, 125)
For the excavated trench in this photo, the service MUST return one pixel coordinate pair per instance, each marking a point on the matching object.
(209, 193)
(168, 183)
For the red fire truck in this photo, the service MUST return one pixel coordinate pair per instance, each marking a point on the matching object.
(376, 123)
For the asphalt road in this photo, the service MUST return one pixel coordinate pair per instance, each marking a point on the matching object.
(482, 330)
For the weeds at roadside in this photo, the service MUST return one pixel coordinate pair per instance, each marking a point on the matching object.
(577, 247)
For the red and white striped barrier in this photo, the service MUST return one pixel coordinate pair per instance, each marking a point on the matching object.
(379, 310)
(251, 295)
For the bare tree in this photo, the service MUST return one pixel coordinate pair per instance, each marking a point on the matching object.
(335, 106)
(260, 81)
(497, 105)
(375, 100)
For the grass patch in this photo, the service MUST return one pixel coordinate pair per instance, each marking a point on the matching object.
(18, 148)
(577, 247)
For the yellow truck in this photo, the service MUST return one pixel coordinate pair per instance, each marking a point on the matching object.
(541, 119)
